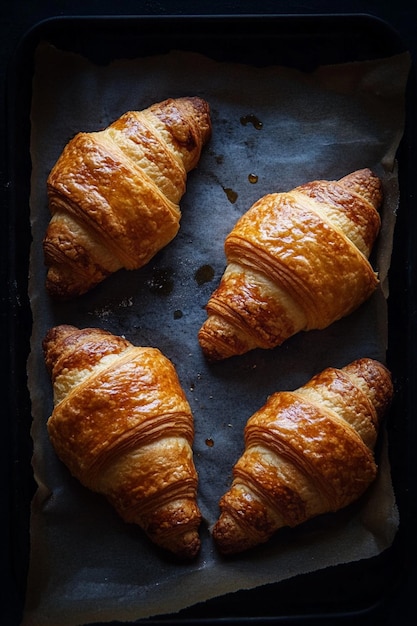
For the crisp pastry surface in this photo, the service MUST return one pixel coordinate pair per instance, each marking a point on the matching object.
(114, 194)
(123, 426)
(295, 261)
(307, 452)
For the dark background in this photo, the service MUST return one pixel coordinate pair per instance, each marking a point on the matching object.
(17, 17)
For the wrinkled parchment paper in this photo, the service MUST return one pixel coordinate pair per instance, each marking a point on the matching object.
(273, 128)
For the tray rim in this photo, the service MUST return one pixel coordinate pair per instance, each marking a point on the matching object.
(35, 30)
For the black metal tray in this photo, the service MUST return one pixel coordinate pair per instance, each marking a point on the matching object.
(360, 591)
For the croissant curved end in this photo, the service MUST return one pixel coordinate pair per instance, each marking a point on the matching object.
(186, 546)
(231, 537)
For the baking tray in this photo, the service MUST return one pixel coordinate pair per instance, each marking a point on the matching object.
(358, 591)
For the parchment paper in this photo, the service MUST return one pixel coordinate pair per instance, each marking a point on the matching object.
(86, 564)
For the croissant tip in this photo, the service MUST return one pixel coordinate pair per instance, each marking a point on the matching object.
(220, 340)
(185, 547)
(55, 333)
(229, 539)
(190, 549)
(365, 182)
(378, 379)
(62, 287)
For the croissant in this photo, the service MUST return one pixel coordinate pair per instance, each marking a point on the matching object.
(295, 261)
(114, 194)
(307, 452)
(123, 427)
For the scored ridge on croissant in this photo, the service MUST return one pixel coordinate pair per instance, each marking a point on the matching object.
(296, 261)
(122, 425)
(114, 194)
(307, 452)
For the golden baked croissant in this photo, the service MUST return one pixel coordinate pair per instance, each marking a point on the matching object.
(122, 425)
(307, 452)
(295, 261)
(114, 194)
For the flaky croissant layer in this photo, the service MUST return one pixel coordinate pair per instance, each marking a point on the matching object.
(114, 194)
(307, 452)
(295, 261)
(123, 426)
